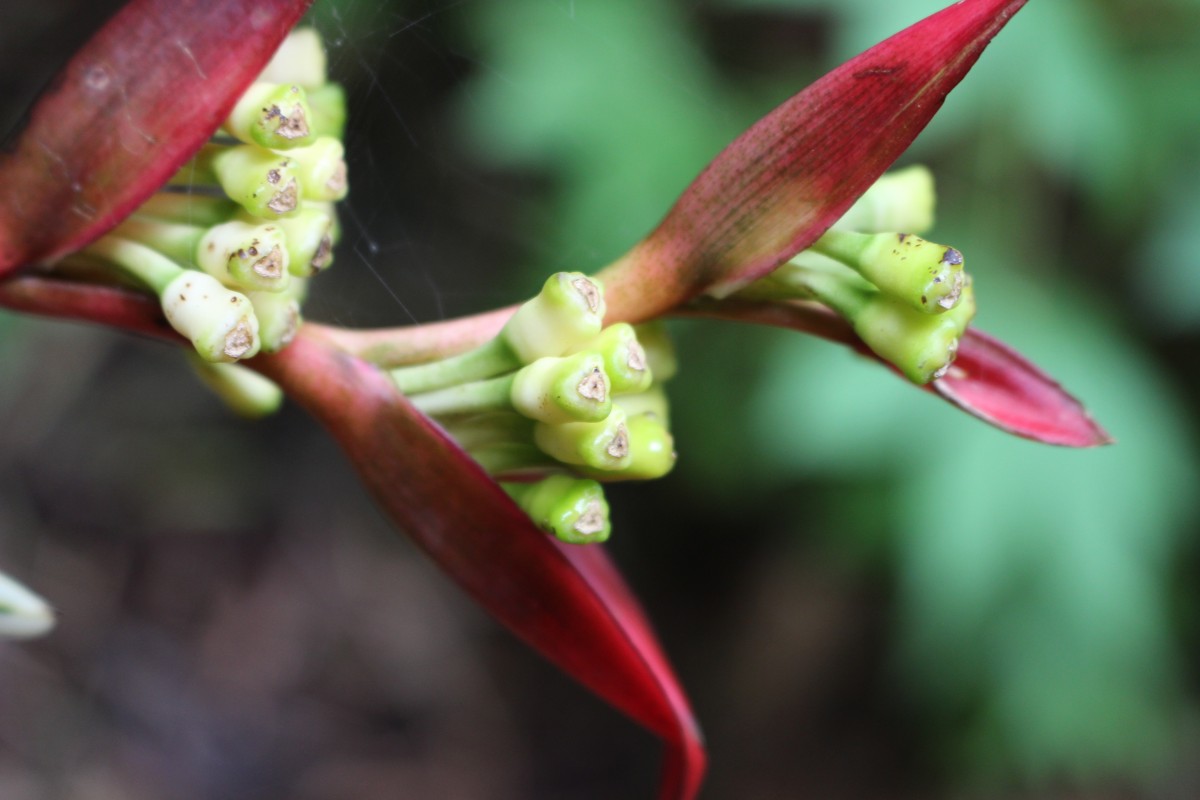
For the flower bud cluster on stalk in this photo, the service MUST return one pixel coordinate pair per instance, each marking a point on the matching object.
(907, 298)
(229, 245)
(556, 404)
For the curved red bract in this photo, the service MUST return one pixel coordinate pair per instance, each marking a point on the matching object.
(782, 183)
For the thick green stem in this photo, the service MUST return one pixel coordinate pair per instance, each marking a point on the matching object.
(493, 358)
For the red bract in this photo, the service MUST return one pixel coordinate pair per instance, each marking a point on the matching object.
(135, 103)
(989, 380)
(782, 183)
(113, 128)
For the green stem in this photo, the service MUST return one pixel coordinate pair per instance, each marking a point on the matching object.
(175, 240)
(144, 263)
(467, 398)
(492, 358)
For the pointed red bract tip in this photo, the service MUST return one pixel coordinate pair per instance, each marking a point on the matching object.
(128, 109)
(991, 381)
(568, 602)
(783, 182)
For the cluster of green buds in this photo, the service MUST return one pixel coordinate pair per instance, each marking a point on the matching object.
(557, 404)
(907, 298)
(229, 245)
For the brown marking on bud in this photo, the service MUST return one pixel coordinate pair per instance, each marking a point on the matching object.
(269, 266)
(594, 386)
(286, 199)
(287, 126)
(239, 340)
(619, 446)
(337, 181)
(951, 300)
(273, 177)
(324, 255)
(592, 520)
(589, 291)
(636, 360)
(952, 257)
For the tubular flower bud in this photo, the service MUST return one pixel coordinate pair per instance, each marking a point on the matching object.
(927, 276)
(246, 256)
(599, 445)
(274, 116)
(571, 509)
(567, 312)
(321, 170)
(903, 200)
(220, 323)
(569, 389)
(623, 356)
(262, 182)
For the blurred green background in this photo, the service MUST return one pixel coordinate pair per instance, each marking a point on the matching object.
(867, 594)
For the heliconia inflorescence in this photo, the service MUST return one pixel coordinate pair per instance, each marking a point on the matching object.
(228, 244)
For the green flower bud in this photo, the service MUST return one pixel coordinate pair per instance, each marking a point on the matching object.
(328, 104)
(220, 323)
(300, 59)
(927, 276)
(899, 201)
(278, 315)
(922, 346)
(623, 357)
(262, 182)
(567, 312)
(652, 401)
(309, 236)
(24, 615)
(651, 449)
(600, 445)
(656, 342)
(246, 256)
(274, 116)
(246, 392)
(321, 169)
(571, 509)
(569, 389)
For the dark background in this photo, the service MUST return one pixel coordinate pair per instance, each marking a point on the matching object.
(865, 594)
